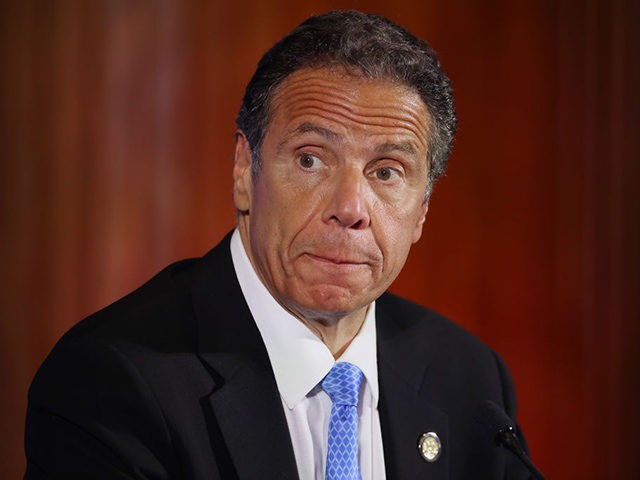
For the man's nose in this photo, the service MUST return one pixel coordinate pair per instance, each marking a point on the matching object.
(348, 203)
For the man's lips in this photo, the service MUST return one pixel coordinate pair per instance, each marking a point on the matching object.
(340, 252)
(336, 260)
(340, 260)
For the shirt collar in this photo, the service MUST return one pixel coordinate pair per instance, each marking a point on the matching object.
(299, 359)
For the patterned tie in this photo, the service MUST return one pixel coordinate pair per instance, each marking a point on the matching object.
(342, 384)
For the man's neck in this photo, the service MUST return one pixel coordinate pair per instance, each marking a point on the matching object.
(335, 333)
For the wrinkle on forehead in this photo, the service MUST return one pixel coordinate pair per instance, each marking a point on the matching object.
(320, 92)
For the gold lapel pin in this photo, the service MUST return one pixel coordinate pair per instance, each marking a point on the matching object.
(430, 447)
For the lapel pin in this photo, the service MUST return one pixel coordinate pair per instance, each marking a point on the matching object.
(430, 447)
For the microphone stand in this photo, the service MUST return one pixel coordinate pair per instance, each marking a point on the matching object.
(508, 439)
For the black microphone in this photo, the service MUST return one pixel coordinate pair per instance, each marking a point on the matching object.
(501, 427)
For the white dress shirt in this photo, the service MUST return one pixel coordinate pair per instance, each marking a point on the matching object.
(300, 360)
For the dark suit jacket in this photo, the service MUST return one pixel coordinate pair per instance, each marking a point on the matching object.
(173, 381)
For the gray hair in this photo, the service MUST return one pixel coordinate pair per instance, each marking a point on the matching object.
(368, 45)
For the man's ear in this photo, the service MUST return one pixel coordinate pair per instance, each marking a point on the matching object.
(417, 233)
(242, 176)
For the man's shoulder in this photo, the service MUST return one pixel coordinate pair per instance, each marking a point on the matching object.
(141, 313)
(425, 323)
(161, 308)
(149, 333)
(152, 325)
(454, 354)
(432, 338)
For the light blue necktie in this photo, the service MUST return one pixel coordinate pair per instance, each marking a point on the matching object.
(342, 384)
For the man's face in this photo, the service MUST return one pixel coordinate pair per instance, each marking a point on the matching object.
(339, 200)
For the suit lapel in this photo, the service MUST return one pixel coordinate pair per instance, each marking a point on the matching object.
(247, 425)
(405, 410)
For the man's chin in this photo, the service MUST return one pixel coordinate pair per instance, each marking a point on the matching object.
(331, 303)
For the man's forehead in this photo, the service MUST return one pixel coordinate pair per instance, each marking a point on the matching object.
(320, 100)
(300, 81)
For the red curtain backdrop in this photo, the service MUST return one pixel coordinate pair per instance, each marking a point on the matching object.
(116, 136)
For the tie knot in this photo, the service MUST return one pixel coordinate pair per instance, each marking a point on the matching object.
(342, 384)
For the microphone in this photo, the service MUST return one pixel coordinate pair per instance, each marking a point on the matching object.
(501, 427)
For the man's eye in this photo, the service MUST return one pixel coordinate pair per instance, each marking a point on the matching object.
(308, 161)
(385, 173)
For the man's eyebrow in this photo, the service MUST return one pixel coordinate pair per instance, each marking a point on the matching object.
(307, 127)
(405, 147)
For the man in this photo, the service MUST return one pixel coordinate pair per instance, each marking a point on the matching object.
(224, 366)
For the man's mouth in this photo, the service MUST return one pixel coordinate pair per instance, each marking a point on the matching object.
(335, 260)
